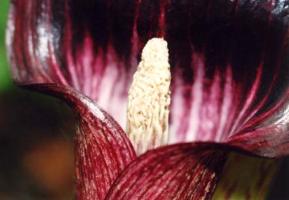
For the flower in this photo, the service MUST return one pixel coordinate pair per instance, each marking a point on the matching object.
(229, 85)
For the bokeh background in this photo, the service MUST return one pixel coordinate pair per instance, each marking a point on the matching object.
(36, 145)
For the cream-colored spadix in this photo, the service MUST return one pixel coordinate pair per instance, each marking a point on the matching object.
(149, 98)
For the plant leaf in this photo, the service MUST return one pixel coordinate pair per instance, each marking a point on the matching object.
(102, 148)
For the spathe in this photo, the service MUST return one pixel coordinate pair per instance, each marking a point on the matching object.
(228, 58)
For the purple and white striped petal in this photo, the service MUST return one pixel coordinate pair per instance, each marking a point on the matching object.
(229, 59)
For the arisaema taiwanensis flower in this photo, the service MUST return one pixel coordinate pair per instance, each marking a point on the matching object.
(229, 86)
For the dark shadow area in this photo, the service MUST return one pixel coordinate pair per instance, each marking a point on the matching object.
(279, 186)
(36, 147)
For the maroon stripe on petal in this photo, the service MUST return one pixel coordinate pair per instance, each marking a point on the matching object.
(230, 66)
(102, 149)
(270, 138)
(271, 141)
(229, 59)
(183, 171)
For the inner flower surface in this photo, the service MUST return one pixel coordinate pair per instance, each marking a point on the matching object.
(229, 87)
(229, 64)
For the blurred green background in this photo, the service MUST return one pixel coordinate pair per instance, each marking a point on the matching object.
(5, 81)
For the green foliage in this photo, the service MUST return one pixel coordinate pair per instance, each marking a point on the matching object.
(5, 80)
(246, 178)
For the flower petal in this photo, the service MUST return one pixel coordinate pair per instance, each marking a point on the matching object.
(239, 65)
(102, 148)
(229, 59)
(182, 171)
(269, 142)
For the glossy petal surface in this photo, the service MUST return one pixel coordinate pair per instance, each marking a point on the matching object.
(102, 149)
(182, 171)
(229, 64)
(229, 59)
(105, 166)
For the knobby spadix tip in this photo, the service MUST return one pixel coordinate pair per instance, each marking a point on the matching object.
(149, 98)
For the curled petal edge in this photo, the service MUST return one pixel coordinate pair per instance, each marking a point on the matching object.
(102, 148)
(195, 166)
(180, 171)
